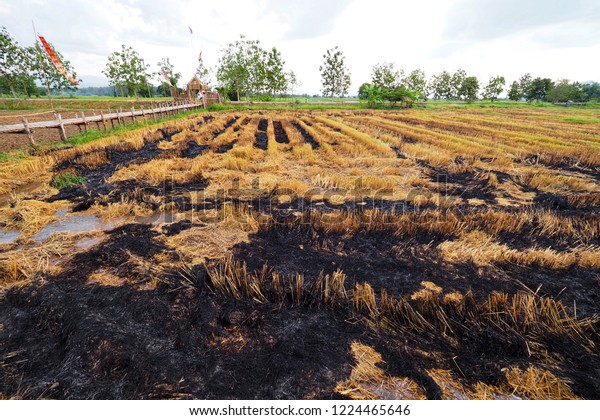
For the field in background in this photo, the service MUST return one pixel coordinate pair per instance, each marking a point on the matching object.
(427, 253)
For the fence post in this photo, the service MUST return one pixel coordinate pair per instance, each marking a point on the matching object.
(119, 117)
(85, 123)
(143, 113)
(78, 125)
(61, 127)
(28, 131)
(153, 113)
(97, 122)
(103, 121)
(132, 115)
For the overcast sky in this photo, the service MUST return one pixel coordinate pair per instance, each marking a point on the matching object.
(548, 38)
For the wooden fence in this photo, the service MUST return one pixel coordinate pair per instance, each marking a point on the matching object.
(102, 119)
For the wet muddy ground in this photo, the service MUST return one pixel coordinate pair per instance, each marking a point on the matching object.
(128, 314)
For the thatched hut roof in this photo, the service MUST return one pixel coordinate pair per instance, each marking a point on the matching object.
(196, 84)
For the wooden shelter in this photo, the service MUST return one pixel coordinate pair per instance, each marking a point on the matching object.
(195, 85)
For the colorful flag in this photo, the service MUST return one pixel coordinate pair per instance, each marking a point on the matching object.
(191, 32)
(56, 61)
(164, 72)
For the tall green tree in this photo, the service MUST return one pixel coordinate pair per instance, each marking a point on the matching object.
(335, 76)
(240, 70)
(538, 89)
(440, 85)
(362, 91)
(169, 68)
(126, 70)
(44, 70)
(456, 83)
(494, 88)
(292, 82)
(257, 65)
(525, 84)
(469, 89)
(11, 56)
(203, 72)
(564, 91)
(514, 93)
(386, 76)
(591, 91)
(417, 82)
(275, 77)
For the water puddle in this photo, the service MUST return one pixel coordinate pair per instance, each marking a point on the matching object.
(74, 224)
(9, 236)
(157, 218)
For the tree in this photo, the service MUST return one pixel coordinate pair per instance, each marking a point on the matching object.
(241, 68)
(514, 93)
(126, 69)
(203, 72)
(169, 69)
(417, 82)
(11, 56)
(275, 77)
(26, 77)
(538, 89)
(401, 94)
(525, 84)
(44, 70)
(564, 91)
(257, 66)
(335, 76)
(494, 88)
(591, 91)
(469, 88)
(373, 94)
(440, 85)
(293, 82)
(385, 76)
(456, 83)
(362, 91)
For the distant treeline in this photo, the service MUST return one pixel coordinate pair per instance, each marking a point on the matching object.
(246, 69)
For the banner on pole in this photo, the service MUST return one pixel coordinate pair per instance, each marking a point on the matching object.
(164, 72)
(56, 61)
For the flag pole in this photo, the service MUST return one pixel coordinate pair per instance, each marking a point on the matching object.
(34, 32)
(37, 47)
(193, 50)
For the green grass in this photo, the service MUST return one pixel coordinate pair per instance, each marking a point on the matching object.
(13, 155)
(66, 179)
(582, 120)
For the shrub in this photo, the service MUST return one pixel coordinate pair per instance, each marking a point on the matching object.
(66, 179)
